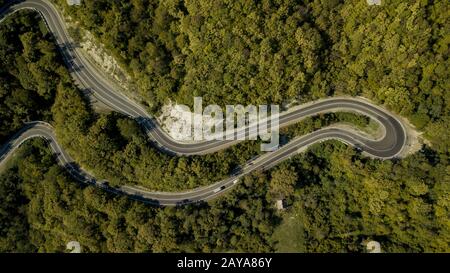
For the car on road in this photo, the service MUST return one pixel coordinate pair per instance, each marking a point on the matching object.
(219, 189)
(103, 183)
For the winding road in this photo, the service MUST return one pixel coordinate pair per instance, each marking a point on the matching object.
(389, 145)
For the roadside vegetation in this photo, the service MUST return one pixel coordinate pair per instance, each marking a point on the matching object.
(340, 198)
(262, 52)
(113, 147)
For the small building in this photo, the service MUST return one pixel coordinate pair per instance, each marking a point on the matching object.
(373, 247)
(279, 204)
(374, 2)
(74, 2)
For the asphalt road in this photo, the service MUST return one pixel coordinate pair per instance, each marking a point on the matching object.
(91, 79)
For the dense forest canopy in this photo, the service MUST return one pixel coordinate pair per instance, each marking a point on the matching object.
(268, 51)
(238, 52)
(29, 73)
(403, 205)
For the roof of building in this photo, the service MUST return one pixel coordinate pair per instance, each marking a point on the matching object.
(74, 2)
(374, 2)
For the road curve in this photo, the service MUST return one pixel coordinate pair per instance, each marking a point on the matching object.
(388, 146)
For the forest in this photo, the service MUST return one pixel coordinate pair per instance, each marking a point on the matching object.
(238, 52)
(262, 52)
(403, 205)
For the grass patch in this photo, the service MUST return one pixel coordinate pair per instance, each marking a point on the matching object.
(288, 237)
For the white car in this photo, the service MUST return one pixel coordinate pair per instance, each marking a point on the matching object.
(219, 189)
